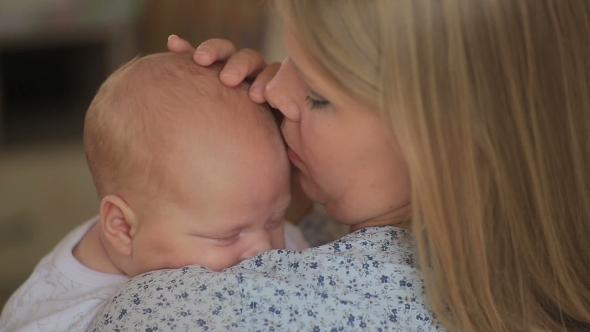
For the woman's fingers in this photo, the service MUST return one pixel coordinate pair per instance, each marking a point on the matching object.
(239, 66)
(244, 64)
(213, 50)
(179, 45)
(258, 87)
(208, 52)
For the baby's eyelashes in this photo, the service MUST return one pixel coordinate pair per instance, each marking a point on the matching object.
(228, 240)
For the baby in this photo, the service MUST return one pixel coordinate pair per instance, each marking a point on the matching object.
(188, 172)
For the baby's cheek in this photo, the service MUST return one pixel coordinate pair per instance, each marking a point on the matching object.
(223, 258)
(277, 238)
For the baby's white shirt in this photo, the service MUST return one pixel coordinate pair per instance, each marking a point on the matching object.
(61, 294)
(294, 239)
(64, 295)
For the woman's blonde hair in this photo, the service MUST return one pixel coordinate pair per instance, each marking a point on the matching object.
(490, 101)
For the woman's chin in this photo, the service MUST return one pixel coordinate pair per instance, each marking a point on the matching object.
(310, 188)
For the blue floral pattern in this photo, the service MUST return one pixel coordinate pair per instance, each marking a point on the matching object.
(366, 281)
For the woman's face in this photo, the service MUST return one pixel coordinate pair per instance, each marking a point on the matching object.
(347, 159)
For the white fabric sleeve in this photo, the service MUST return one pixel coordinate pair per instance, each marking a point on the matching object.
(294, 239)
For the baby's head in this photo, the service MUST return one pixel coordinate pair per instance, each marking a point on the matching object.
(189, 171)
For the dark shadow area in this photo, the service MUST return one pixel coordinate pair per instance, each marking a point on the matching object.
(47, 90)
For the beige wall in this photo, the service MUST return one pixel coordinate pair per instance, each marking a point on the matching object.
(273, 46)
(197, 20)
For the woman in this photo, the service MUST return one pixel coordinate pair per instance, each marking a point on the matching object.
(465, 121)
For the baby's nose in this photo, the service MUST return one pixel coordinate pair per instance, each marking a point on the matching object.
(258, 243)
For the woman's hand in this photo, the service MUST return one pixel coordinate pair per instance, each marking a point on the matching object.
(240, 65)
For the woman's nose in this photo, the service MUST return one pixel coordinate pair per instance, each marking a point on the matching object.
(281, 90)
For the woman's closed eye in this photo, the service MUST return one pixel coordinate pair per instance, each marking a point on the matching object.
(314, 100)
(316, 103)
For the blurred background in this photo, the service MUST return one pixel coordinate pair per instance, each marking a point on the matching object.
(54, 54)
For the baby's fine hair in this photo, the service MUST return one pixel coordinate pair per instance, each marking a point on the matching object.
(147, 107)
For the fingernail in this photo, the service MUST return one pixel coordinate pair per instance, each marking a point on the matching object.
(203, 50)
(172, 36)
(230, 73)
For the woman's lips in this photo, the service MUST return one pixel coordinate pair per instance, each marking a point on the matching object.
(293, 156)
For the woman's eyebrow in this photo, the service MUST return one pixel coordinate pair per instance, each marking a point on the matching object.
(301, 74)
(310, 83)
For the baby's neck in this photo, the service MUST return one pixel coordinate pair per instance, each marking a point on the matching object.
(92, 253)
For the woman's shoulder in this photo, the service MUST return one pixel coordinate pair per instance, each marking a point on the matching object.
(365, 280)
(382, 247)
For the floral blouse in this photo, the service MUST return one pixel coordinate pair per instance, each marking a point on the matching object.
(365, 281)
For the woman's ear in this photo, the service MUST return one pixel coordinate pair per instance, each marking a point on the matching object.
(118, 224)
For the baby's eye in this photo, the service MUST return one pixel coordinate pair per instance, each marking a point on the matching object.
(228, 241)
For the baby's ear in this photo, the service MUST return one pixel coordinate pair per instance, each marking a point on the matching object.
(118, 224)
